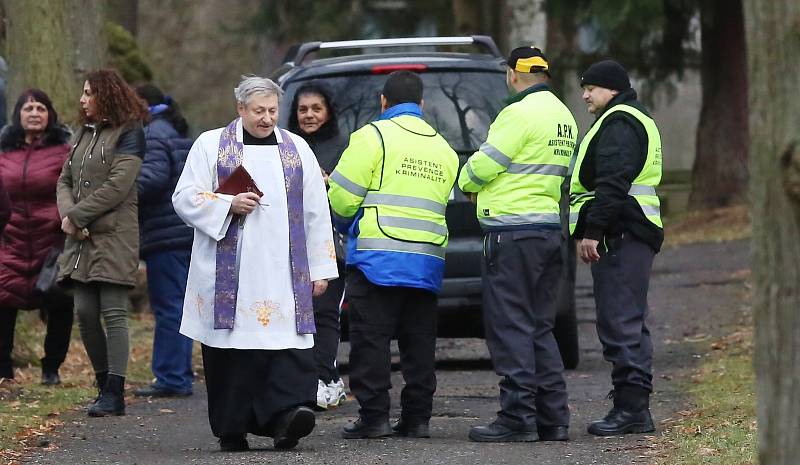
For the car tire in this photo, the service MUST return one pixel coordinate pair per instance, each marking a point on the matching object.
(566, 334)
(566, 324)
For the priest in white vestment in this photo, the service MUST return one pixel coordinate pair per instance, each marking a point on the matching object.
(256, 262)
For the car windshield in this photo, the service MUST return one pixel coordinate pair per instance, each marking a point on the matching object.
(461, 106)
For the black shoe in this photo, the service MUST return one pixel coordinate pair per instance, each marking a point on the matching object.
(295, 424)
(410, 429)
(497, 432)
(553, 433)
(360, 429)
(620, 421)
(155, 391)
(50, 378)
(234, 443)
(112, 398)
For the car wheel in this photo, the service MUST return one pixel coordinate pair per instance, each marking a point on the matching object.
(566, 326)
(566, 334)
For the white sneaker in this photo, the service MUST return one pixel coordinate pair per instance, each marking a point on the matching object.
(323, 395)
(336, 393)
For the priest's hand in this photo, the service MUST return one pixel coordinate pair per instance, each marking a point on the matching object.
(244, 203)
(319, 287)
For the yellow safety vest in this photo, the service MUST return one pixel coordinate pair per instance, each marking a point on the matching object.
(519, 170)
(405, 199)
(643, 188)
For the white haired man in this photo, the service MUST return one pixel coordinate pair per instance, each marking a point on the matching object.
(248, 296)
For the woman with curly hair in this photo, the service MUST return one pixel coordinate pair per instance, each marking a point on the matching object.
(97, 203)
(32, 149)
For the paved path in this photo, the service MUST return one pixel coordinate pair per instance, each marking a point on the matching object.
(697, 293)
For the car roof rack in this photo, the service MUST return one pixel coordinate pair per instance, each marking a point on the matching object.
(298, 53)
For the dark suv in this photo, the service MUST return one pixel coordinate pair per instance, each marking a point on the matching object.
(463, 92)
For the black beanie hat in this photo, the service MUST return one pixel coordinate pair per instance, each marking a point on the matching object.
(608, 74)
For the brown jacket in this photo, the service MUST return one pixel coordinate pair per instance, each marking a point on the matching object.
(97, 191)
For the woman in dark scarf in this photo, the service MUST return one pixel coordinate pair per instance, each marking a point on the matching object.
(313, 117)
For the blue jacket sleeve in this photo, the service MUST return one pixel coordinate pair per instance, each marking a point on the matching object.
(154, 177)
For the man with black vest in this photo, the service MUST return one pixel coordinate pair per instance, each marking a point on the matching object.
(615, 217)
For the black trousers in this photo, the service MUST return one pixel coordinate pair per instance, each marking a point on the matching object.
(520, 281)
(377, 313)
(326, 318)
(248, 389)
(621, 279)
(59, 314)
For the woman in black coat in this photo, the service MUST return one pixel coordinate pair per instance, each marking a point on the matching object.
(313, 117)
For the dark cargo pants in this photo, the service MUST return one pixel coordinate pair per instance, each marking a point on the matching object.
(378, 313)
(621, 279)
(520, 280)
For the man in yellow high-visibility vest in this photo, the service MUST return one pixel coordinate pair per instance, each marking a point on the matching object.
(389, 192)
(615, 216)
(517, 175)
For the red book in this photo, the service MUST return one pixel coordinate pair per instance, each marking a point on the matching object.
(239, 181)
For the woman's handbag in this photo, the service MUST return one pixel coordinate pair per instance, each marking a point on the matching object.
(47, 282)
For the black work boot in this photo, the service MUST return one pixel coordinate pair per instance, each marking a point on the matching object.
(553, 433)
(112, 398)
(411, 429)
(361, 429)
(630, 414)
(499, 432)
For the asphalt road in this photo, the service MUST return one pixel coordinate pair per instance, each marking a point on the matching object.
(697, 293)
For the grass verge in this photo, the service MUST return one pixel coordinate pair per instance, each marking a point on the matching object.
(29, 412)
(720, 428)
(718, 225)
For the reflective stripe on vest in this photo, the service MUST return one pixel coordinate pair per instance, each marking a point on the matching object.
(473, 177)
(501, 158)
(412, 223)
(634, 190)
(512, 220)
(348, 185)
(535, 168)
(374, 199)
(399, 246)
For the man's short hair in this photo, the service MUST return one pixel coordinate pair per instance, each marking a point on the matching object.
(255, 85)
(402, 87)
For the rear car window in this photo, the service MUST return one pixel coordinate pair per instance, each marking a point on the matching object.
(461, 106)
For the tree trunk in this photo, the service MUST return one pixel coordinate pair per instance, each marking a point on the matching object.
(527, 23)
(719, 177)
(467, 15)
(125, 13)
(54, 58)
(773, 52)
(86, 19)
(44, 59)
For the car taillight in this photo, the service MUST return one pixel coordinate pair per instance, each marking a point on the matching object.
(386, 69)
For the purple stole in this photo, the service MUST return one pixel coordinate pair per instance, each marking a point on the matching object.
(229, 157)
